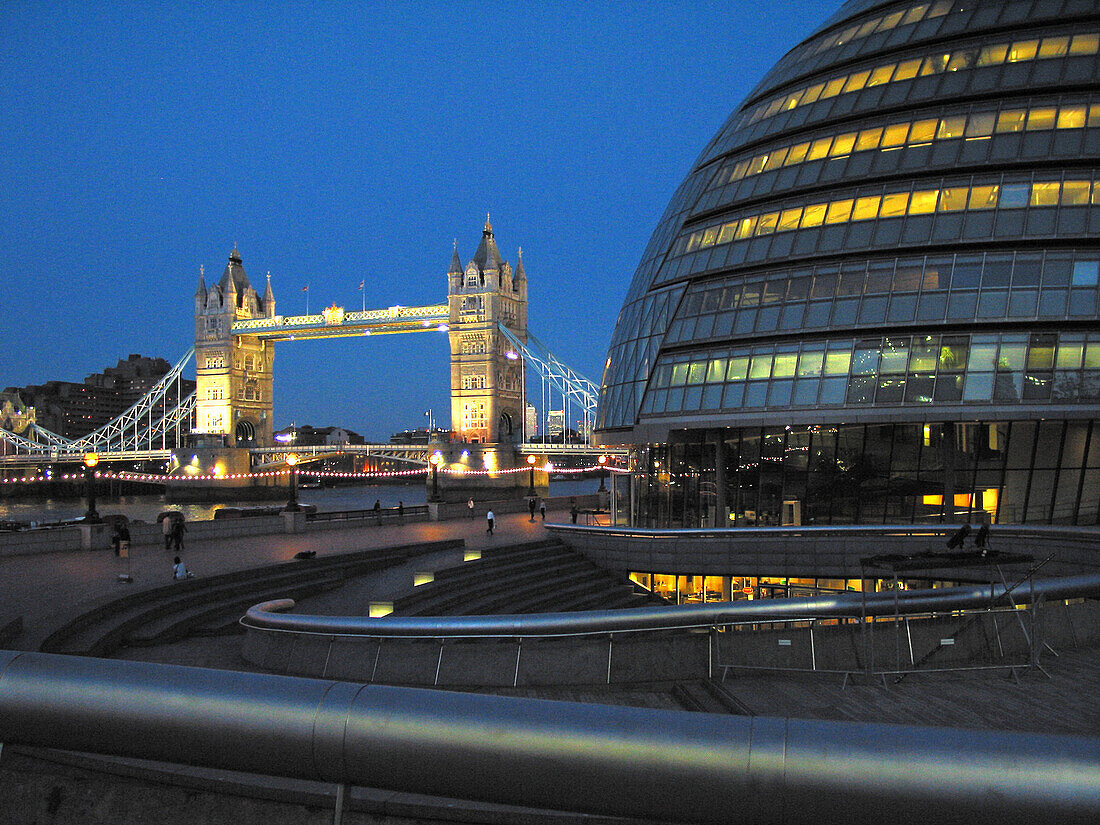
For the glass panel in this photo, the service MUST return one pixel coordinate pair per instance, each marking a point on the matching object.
(1075, 193)
(761, 366)
(866, 208)
(923, 131)
(1071, 117)
(1014, 195)
(869, 138)
(814, 215)
(837, 362)
(923, 202)
(980, 125)
(738, 368)
(839, 211)
(953, 199)
(984, 197)
(1011, 120)
(1044, 194)
(894, 204)
(784, 365)
(1041, 119)
(809, 363)
(951, 127)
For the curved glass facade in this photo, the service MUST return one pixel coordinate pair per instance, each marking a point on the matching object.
(892, 243)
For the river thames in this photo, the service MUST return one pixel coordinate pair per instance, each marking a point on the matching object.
(147, 507)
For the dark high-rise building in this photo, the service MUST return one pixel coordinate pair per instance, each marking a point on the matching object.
(874, 297)
(72, 409)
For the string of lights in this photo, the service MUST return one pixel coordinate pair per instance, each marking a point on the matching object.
(161, 478)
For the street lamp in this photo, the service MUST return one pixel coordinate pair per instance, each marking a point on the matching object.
(434, 460)
(90, 462)
(531, 463)
(602, 461)
(292, 462)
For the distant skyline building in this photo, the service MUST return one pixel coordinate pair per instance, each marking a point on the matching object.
(875, 293)
(74, 409)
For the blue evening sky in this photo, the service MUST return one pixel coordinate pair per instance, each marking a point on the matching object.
(340, 142)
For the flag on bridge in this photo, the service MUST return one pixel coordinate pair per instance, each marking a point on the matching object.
(305, 288)
(361, 285)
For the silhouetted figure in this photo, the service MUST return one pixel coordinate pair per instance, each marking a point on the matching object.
(542, 509)
(981, 539)
(378, 511)
(489, 522)
(531, 505)
(400, 512)
(178, 529)
(959, 538)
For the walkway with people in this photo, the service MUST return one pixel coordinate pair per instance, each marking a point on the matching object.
(40, 587)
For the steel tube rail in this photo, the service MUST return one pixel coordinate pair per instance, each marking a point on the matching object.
(266, 616)
(666, 765)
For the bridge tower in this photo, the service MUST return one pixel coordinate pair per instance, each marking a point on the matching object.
(486, 384)
(233, 372)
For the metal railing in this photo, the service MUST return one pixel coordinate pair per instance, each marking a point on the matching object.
(622, 761)
(266, 616)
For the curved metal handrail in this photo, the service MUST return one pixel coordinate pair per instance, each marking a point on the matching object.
(625, 761)
(269, 615)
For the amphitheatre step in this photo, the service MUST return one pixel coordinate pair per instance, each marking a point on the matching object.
(100, 629)
(178, 624)
(694, 696)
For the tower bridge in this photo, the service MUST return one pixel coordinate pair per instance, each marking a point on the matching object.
(226, 426)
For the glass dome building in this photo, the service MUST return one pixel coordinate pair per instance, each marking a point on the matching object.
(874, 297)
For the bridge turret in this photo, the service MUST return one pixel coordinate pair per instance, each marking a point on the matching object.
(233, 372)
(200, 292)
(486, 377)
(269, 299)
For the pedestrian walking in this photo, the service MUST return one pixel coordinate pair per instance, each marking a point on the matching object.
(489, 520)
(532, 506)
(166, 528)
(542, 508)
(573, 513)
(470, 507)
(178, 529)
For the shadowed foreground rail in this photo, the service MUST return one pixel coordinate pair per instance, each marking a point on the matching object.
(566, 756)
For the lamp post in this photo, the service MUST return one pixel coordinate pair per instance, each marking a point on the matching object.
(434, 459)
(292, 462)
(602, 461)
(531, 464)
(90, 462)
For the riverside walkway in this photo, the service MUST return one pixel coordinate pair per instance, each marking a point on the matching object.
(39, 588)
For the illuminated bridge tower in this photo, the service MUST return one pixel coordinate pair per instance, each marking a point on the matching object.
(233, 372)
(486, 384)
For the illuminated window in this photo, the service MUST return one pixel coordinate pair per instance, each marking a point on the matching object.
(868, 139)
(1053, 47)
(1085, 43)
(866, 208)
(953, 199)
(893, 205)
(819, 149)
(1071, 117)
(843, 144)
(923, 131)
(766, 224)
(895, 135)
(880, 75)
(907, 70)
(1045, 194)
(1075, 193)
(788, 219)
(839, 211)
(993, 55)
(984, 197)
(951, 127)
(923, 202)
(980, 125)
(797, 154)
(1040, 119)
(1011, 121)
(1023, 50)
(815, 215)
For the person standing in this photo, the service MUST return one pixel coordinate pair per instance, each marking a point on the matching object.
(178, 529)
(470, 507)
(400, 512)
(166, 528)
(378, 511)
(532, 506)
(542, 508)
(489, 520)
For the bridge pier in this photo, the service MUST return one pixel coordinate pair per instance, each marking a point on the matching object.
(483, 472)
(192, 468)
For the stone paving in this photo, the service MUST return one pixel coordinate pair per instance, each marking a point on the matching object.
(41, 588)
